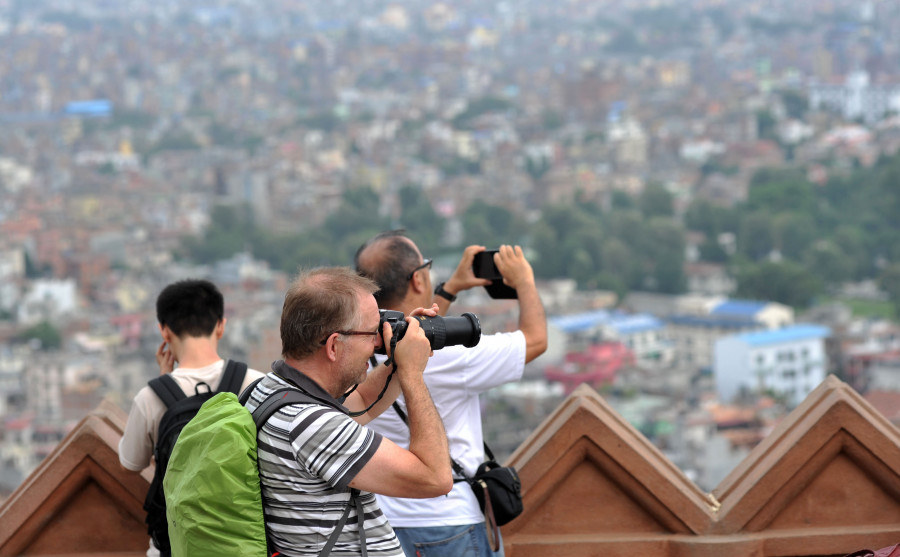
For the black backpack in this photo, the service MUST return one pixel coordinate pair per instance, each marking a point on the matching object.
(179, 411)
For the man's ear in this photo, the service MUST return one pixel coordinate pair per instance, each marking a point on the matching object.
(417, 283)
(166, 333)
(331, 347)
(220, 328)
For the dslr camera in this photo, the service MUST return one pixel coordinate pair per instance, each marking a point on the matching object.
(440, 331)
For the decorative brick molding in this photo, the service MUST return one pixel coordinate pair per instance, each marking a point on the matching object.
(79, 501)
(825, 482)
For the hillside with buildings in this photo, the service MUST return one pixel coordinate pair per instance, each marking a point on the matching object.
(707, 190)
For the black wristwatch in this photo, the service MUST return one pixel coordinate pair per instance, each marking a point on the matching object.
(439, 291)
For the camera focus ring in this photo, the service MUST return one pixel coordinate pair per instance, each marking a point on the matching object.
(438, 335)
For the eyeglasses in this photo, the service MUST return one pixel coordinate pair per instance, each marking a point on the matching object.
(351, 333)
(426, 263)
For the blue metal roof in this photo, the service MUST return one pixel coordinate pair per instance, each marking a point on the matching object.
(98, 107)
(630, 324)
(801, 331)
(717, 322)
(577, 322)
(621, 322)
(739, 307)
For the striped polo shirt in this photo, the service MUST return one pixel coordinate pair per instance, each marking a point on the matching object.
(308, 455)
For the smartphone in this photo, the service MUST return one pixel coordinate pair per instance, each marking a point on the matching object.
(483, 266)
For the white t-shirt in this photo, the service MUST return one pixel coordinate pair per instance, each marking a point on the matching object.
(139, 437)
(455, 376)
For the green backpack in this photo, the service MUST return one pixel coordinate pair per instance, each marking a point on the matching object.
(213, 497)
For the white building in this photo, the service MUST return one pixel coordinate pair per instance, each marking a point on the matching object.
(789, 361)
(48, 300)
(704, 320)
(856, 98)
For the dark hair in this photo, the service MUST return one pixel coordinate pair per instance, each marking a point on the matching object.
(389, 257)
(190, 307)
(319, 302)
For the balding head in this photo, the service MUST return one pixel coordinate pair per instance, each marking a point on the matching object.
(319, 302)
(388, 258)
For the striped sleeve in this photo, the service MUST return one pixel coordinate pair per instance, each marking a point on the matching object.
(330, 445)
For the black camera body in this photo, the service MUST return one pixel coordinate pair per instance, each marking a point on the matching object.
(440, 331)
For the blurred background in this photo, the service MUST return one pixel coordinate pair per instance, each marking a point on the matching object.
(708, 190)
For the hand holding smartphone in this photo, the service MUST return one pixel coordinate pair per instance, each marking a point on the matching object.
(483, 266)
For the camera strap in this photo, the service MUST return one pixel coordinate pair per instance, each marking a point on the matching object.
(392, 362)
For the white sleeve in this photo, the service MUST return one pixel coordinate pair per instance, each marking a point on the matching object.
(495, 360)
(136, 445)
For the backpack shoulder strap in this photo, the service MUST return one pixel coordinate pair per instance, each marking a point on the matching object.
(232, 377)
(285, 397)
(279, 398)
(356, 502)
(167, 389)
(245, 394)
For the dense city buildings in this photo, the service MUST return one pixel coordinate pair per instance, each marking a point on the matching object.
(127, 126)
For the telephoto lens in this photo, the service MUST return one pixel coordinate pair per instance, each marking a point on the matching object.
(440, 331)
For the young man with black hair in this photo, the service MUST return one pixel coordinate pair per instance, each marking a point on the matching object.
(191, 316)
(455, 376)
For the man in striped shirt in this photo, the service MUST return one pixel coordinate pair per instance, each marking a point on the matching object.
(311, 455)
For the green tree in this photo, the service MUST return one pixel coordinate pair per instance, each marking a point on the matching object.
(230, 231)
(491, 225)
(795, 103)
(656, 201)
(48, 335)
(766, 125)
(778, 191)
(359, 211)
(703, 216)
(621, 200)
(794, 233)
(889, 281)
(828, 262)
(755, 237)
(785, 282)
(617, 261)
(666, 255)
(420, 220)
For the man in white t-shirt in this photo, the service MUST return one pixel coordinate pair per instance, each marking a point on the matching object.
(455, 376)
(191, 315)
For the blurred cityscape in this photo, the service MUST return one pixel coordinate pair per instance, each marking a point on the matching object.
(127, 125)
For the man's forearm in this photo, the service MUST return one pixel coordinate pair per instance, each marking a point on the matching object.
(532, 321)
(427, 438)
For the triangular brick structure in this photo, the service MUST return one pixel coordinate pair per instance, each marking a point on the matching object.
(831, 469)
(79, 500)
(826, 482)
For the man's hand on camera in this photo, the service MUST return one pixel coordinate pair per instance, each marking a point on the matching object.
(516, 270)
(430, 312)
(463, 277)
(414, 349)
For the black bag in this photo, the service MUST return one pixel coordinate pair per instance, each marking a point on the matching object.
(179, 411)
(497, 489)
(502, 487)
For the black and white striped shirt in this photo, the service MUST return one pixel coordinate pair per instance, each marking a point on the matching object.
(308, 455)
